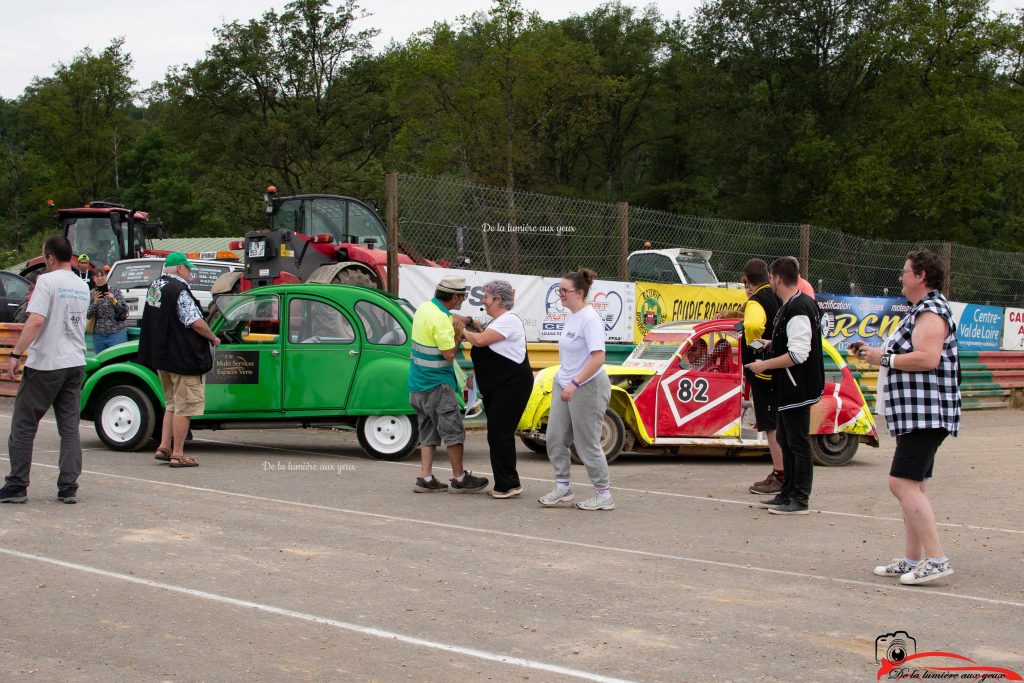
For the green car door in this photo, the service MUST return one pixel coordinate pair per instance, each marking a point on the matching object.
(247, 367)
(321, 356)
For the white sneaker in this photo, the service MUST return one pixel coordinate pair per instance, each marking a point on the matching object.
(898, 567)
(926, 571)
(597, 503)
(557, 497)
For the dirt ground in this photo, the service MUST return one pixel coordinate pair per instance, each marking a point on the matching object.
(289, 555)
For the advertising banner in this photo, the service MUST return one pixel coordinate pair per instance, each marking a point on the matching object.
(537, 303)
(658, 303)
(869, 319)
(978, 327)
(1013, 329)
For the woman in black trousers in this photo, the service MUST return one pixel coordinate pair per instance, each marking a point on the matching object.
(503, 375)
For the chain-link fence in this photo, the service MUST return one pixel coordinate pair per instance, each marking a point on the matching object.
(502, 230)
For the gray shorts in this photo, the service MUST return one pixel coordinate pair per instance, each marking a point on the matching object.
(439, 417)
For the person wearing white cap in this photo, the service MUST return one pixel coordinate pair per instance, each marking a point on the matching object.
(433, 387)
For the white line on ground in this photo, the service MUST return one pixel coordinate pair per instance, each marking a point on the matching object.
(356, 628)
(559, 541)
(949, 525)
(617, 488)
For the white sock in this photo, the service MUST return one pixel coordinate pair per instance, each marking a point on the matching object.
(912, 563)
(429, 478)
(604, 493)
(938, 560)
(563, 484)
(460, 478)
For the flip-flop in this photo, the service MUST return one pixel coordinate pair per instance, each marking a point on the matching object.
(183, 461)
(163, 455)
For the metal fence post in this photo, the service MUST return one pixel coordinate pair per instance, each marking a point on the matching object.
(391, 214)
(623, 240)
(947, 256)
(805, 250)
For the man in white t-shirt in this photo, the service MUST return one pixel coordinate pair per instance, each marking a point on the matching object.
(54, 337)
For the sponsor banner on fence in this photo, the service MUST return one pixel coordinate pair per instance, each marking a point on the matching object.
(1013, 329)
(870, 319)
(537, 303)
(658, 303)
(978, 327)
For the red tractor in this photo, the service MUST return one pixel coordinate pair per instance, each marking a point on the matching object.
(313, 238)
(100, 233)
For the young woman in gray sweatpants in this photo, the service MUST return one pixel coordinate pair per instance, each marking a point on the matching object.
(580, 394)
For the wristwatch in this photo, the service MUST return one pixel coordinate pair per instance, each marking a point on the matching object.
(886, 360)
(17, 355)
(575, 383)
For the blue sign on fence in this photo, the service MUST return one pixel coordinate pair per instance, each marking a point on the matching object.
(869, 319)
(978, 327)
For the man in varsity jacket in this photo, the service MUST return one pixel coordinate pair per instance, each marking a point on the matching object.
(797, 368)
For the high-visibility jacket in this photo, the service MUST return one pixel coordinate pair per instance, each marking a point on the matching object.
(431, 333)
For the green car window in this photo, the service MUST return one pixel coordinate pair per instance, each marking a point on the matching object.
(314, 322)
(380, 326)
(250, 319)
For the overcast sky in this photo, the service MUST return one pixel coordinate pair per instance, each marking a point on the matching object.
(36, 35)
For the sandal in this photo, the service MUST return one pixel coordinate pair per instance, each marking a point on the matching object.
(183, 461)
(163, 455)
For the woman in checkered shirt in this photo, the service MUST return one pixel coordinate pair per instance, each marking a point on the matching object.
(919, 387)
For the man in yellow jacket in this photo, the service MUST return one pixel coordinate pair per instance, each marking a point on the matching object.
(433, 387)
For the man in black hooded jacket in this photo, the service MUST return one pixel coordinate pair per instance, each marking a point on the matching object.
(798, 380)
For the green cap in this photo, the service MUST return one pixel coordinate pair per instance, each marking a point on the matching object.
(177, 259)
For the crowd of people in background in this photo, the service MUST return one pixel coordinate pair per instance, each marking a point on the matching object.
(918, 383)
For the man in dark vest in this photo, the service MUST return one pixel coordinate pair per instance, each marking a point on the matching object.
(758, 325)
(176, 342)
(797, 368)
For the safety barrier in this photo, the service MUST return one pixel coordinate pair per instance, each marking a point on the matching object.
(9, 333)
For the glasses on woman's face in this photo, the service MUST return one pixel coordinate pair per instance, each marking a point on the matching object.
(907, 271)
(563, 291)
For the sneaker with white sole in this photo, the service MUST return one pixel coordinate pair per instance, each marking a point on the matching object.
(926, 571)
(470, 484)
(597, 503)
(557, 497)
(513, 492)
(790, 508)
(768, 502)
(896, 569)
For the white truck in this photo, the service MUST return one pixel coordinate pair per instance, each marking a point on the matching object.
(681, 266)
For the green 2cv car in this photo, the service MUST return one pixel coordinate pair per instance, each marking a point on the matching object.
(291, 355)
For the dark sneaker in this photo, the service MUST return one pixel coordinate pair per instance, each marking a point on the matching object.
(926, 571)
(12, 495)
(898, 567)
(772, 484)
(790, 508)
(432, 486)
(768, 502)
(68, 496)
(469, 484)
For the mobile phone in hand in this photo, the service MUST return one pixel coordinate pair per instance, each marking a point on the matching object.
(102, 289)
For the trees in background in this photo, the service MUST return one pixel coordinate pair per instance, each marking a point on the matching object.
(883, 118)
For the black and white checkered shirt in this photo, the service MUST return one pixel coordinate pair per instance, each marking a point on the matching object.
(927, 399)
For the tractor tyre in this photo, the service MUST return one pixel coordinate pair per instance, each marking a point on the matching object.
(352, 276)
(228, 283)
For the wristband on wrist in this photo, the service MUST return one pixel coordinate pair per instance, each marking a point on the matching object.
(16, 355)
(575, 383)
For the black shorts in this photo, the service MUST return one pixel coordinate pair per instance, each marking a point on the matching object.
(915, 453)
(765, 411)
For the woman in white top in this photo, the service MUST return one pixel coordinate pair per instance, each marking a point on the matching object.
(579, 396)
(503, 375)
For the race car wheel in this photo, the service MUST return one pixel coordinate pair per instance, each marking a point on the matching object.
(833, 450)
(388, 437)
(613, 432)
(125, 419)
(534, 445)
